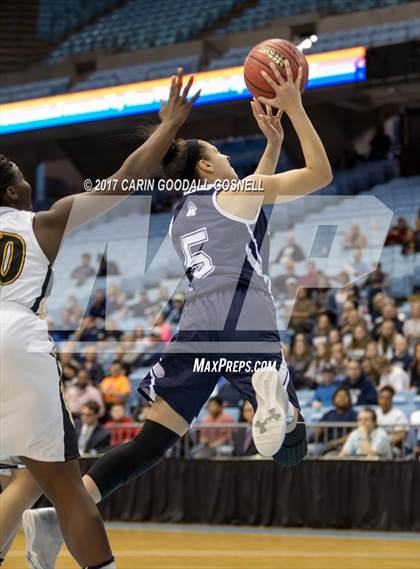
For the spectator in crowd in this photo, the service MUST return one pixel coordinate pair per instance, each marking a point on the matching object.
(212, 439)
(356, 268)
(160, 323)
(409, 244)
(392, 418)
(336, 298)
(92, 366)
(380, 144)
(386, 339)
(118, 426)
(139, 309)
(299, 360)
(107, 267)
(368, 440)
(411, 328)
(310, 278)
(322, 328)
(377, 282)
(334, 336)
(92, 437)
(279, 282)
(177, 307)
(321, 358)
(397, 233)
(81, 392)
(98, 308)
(394, 375)
(401, 356)
(304, 311)
(361, 388)
(243, 443)
(325, 391)
(74, 311)
(331, 439)
(89, 331)
(349, 325)
(116, 387)
(360, 339)
(84, 271)
(290, 251)
(415, 369)
(115, 300)
(68, 373)
(66, 356)
(110, 332)
(338, 360)
(390, 312)
(370, 371)
(354, 238)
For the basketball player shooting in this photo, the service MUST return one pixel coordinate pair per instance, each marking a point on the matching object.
(220, 238)
(36, 429)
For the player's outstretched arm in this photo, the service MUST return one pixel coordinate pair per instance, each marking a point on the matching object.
(316, 173)
(72, 211)
(270, 126)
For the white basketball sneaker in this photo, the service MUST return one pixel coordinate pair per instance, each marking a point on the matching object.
(270, 420)
(43, 537)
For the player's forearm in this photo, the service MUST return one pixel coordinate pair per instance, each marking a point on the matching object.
(316, 158)
(145, 159)
(268, 163)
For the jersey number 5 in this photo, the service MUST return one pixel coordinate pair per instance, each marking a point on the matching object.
(12, 257)
(199, 262)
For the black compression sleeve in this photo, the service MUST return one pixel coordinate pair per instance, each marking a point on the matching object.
(123, 464)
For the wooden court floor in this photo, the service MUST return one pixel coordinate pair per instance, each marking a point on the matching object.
(151, 546)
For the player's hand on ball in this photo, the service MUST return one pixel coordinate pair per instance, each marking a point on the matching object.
(178, 107)
(287, 91)
(268, 122)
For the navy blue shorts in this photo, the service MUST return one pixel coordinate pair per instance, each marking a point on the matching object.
(222, 334)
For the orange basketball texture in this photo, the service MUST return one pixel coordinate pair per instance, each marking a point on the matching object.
(276, 51)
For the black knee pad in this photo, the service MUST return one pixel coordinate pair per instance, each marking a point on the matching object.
(123, 464)
(295, 445)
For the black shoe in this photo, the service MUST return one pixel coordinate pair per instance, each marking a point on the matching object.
(295, 445)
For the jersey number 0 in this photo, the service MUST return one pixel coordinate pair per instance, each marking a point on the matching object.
(12, 257)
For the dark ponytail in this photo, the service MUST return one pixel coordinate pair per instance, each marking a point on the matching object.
(181, 158)
(7, 175)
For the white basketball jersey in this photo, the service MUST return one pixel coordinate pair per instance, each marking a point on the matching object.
(25, 271)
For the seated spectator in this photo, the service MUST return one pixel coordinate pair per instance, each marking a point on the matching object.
(338, 360)
(370, 371)
(397, 233)
(392, 418)
(331, 439)
(92, 437)
(354, 238)
(415, 369)
(304, 311)
(411, 328)
(386, 339)
(356, 268)
(290, 251)
(394, 375)
(336, 298)
(174, 315)
(68, 373)
(377, 282)
(368, 440)
(212, 439)
(81, 392)
(139, 310)
(310, 278)
(321, 358)
(98, 308)
(89, 331)
(299, 360)
(401, 356)
(243, 443)
(91, 364)
(118, 426)
(356, 348)
(107, 267)
(279, 282)
(115, 388)
(334, 337)
(84, 271)
(74, 310)
(322, 329)
(324, 393)
(380, 144)
(362, 390)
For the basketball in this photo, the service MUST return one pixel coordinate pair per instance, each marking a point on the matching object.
(276, 51)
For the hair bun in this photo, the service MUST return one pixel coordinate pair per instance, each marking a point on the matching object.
(170, 154)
